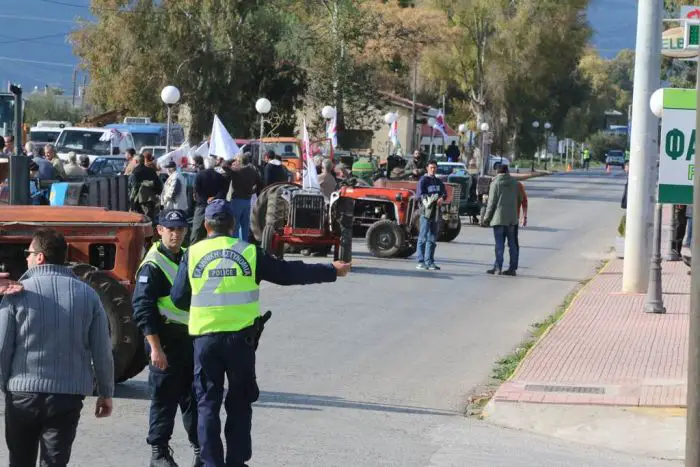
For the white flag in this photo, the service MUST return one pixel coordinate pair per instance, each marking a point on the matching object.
(310, 176)
(222, 145)
(175, 155)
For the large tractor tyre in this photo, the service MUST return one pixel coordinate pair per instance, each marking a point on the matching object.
(407, 251)
(269, 208)
(447, 234)
(343, 252)
(268, 235)
(116, 302)
(138, 363)
(385, 239)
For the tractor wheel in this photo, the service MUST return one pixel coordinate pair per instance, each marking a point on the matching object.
(447, 234)
(343, 252)
(268, 208)
(138, 363)
(116, 302)
(407, 251)
(385, 239)
(268, 235)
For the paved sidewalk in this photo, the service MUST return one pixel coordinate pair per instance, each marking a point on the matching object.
(607, 351)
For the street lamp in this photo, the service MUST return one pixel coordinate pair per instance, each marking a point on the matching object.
(328, 112)
(654, 299)
(170, 95)
(484, 127)
(263, 107)
(547, 127)
(535, 125)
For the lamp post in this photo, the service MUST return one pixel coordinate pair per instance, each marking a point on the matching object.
(170, 95)
(535, 125)
(328, 113)
(263, 107)
(431, 124)
(484, 127)
(547, 128)
(389, 119)
(654, 299)
(461, 129)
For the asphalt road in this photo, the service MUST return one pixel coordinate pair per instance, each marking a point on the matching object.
(375, 370)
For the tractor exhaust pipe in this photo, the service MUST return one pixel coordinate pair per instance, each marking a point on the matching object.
(19, 164)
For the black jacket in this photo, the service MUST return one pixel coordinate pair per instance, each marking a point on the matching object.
(274, 173)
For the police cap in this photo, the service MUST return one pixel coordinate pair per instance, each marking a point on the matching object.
(172, 218)
(218, 209)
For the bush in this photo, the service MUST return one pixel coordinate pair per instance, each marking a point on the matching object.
(602, 142)
(621, 227)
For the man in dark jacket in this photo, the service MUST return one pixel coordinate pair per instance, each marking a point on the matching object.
(274, 171)
(207, 184)
(416, 167)
(146, 187)
(245, 182)
(431, 193)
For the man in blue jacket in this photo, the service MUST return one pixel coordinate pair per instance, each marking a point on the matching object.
(219, 283)
(431, 193)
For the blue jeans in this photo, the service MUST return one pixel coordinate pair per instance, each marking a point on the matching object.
(426, 241)
(501, 233)
(217, 356)
(241, 213)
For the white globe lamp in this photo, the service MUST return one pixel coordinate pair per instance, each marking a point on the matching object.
(170, 95)
(462, 128)
(263, 105)
(432, 122)
(484, 126)
(656, 102)
(390, 118)
(328, 112)
(535, 124)
(547, 126)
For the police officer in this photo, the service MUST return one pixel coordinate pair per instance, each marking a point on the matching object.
(169, 344)
(586, 158)
(218, 281)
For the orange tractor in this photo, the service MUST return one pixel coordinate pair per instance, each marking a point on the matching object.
(105, 249)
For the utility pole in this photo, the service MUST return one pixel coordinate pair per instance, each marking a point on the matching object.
(412, 128)
(75, 79)
(692, 431)
(647, 71)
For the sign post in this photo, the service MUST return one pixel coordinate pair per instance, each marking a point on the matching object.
(677, 161)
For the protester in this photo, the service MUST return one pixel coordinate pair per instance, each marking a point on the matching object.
(51, 156)
(274, 171)
(145, 187)
(174, 194)
(208, 183)
(502, 215)
(73, 170)
(55, 349)
(47, 170)
(326, 179)
(431, 193)
(245, 182)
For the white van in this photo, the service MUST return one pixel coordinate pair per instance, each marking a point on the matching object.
(93, 142)
(46, 132)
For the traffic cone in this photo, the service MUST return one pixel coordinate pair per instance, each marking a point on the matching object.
(568, 168)
(607, 168)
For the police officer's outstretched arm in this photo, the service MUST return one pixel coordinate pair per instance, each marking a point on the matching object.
(282, 272)
(181, 291)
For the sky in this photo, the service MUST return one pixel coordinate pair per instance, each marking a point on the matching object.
(34, 50)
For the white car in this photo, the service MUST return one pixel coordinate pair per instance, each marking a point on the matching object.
(496, 161)
(93, 142)
(446, 169)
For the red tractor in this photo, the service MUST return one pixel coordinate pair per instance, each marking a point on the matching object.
(287, 216)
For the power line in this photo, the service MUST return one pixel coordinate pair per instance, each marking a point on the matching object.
(37, 18)
(38, 62)
(14, 40)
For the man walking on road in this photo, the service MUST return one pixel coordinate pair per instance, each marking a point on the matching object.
(171, 369)
(431, 193)
(502, 214)
(54, 348)
(245, 182)
(219, 282)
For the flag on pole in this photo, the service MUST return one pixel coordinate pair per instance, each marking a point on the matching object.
(332, 133)
(310, 179)
(440, 124)
(176, 155)
(394, 133)
(222, 145)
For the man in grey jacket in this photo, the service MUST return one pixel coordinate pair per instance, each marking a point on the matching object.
(502, 214)
(52, 334)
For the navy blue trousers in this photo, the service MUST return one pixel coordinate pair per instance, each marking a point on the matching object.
(172, 387)
(230, 355)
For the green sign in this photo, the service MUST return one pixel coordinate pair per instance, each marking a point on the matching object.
(677, 162)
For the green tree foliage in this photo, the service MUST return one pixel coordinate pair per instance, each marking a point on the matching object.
(221, 55)
(47, 107)
(601, 142)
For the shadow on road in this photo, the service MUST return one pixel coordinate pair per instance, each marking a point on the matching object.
(312, 402)
(491, 245)
(406, 273)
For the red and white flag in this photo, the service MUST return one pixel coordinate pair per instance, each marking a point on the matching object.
(332, 133)
(440, 124)
(310, 179)
(394, 133)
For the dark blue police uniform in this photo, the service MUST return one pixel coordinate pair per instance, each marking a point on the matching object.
(232, 355)
(173, 386)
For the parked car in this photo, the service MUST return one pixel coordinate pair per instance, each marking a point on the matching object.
(446, 169)
(107, 165)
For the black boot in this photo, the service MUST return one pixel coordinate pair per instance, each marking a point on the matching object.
(197, 461)
(162, 456)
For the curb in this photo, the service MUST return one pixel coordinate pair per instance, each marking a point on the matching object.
(530, 175)
(546, 332)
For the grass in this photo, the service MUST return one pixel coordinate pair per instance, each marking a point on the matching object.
(506, 366)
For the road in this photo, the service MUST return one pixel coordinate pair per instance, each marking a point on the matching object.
(375, 369)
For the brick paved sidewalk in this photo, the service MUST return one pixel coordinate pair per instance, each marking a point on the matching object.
(607, 351)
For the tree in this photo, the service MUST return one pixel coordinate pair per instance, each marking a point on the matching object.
(47, 107)
(221, 55)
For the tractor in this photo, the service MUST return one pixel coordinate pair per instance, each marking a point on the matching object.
(287, 216)
(104, 249)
